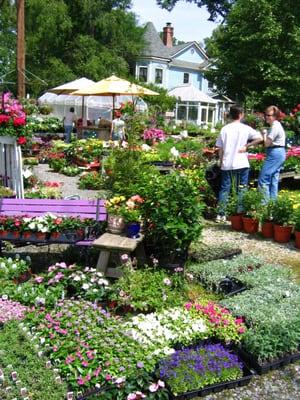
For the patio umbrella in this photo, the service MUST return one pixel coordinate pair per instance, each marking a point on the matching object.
(69, 87)
(114, 86)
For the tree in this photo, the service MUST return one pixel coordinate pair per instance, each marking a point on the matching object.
(215, 8)
(256, 53)
(7, 44)
(92, 38)
(89, 38)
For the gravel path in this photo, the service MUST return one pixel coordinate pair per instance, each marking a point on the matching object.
(69, 183)
(283, 384)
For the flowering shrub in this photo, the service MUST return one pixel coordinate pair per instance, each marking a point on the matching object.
(191, 369)
(13, 119)
(283, 209)
(9, 223)
(154, 134)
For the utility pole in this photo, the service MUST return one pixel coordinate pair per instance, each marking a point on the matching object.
(21, 48)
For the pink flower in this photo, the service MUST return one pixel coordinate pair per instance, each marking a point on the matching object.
(38, 279)
(153, 387)
(188, 306)
(108, 377)
(81, 381)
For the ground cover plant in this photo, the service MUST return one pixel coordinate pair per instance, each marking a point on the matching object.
(35, 381)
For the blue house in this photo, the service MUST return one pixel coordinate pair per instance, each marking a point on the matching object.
(180, 67)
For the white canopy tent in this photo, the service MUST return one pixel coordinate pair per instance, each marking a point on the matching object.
(95, 106)
(193, 105)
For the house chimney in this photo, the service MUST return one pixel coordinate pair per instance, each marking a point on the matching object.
(168, 35)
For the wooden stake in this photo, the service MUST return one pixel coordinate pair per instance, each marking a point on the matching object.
(21, 48)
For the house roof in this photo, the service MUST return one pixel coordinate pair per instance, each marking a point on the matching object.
(189, 92)
(155, 47)
(189, 65)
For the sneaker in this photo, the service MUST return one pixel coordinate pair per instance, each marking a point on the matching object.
(220, 218)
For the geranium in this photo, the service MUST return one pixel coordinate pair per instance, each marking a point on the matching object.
(13, 119)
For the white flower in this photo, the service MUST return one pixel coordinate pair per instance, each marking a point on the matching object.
(76, 278)
(85, 286)
(145, 147)
(167, 281)
(174, 152)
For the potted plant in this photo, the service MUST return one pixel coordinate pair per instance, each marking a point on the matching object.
(115, 221)
(10, 227)
(38, 226)
(233, 210)
(282, 217)
(297, 226)
(131, 212)
(252, 203)
(266, 219)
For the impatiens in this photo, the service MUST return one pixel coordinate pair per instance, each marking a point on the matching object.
(11, 310)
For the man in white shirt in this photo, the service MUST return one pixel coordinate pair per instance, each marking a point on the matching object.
(69, 120)
(233, 142)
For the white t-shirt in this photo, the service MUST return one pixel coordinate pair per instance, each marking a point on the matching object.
(70, 118)
(118, 126)
(232, 138)
(277, 134)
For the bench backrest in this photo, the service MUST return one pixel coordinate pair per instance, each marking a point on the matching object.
(34, 207)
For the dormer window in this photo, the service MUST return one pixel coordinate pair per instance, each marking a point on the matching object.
(186, 77)
(143, 74)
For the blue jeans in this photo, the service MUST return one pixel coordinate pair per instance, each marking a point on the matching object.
(68, 132)
(235, 179)
(268, 179)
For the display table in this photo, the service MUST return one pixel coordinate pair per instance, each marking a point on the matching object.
(102, 133)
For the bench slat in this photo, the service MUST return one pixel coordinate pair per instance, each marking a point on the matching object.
(101, 217)
(91, 202)
(26, 208)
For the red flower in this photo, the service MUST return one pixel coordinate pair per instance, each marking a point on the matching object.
(22, 140)
(298, 106)
(19, 121)
(4, 118)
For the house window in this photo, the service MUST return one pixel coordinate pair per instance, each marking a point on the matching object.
(186, 77)
(143, 74)
(158, 75)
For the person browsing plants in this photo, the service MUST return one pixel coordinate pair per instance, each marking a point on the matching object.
(233, 142)
(274, 140)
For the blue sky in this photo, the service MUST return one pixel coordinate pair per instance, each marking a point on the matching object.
(189, 21)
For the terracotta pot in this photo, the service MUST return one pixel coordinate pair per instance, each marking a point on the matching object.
(40, 235)
(297, 239)
(282, 234)
(267, 230)
(236, 222)
(3, 234)
(27, 235)
(250, 225)
(16, 234)
(55, 235)
(115, 224)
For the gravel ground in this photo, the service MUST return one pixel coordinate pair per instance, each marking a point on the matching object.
(283, 384)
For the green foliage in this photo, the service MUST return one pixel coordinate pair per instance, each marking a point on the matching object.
(19, 355)
(12, 268)
(91, 180)
(283, 210)
(252, 202)
(215, 8)
(148, 290)
(202, 252)
(173, 211)
(248, 51)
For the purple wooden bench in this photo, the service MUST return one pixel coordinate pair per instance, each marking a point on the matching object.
(72, 208)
